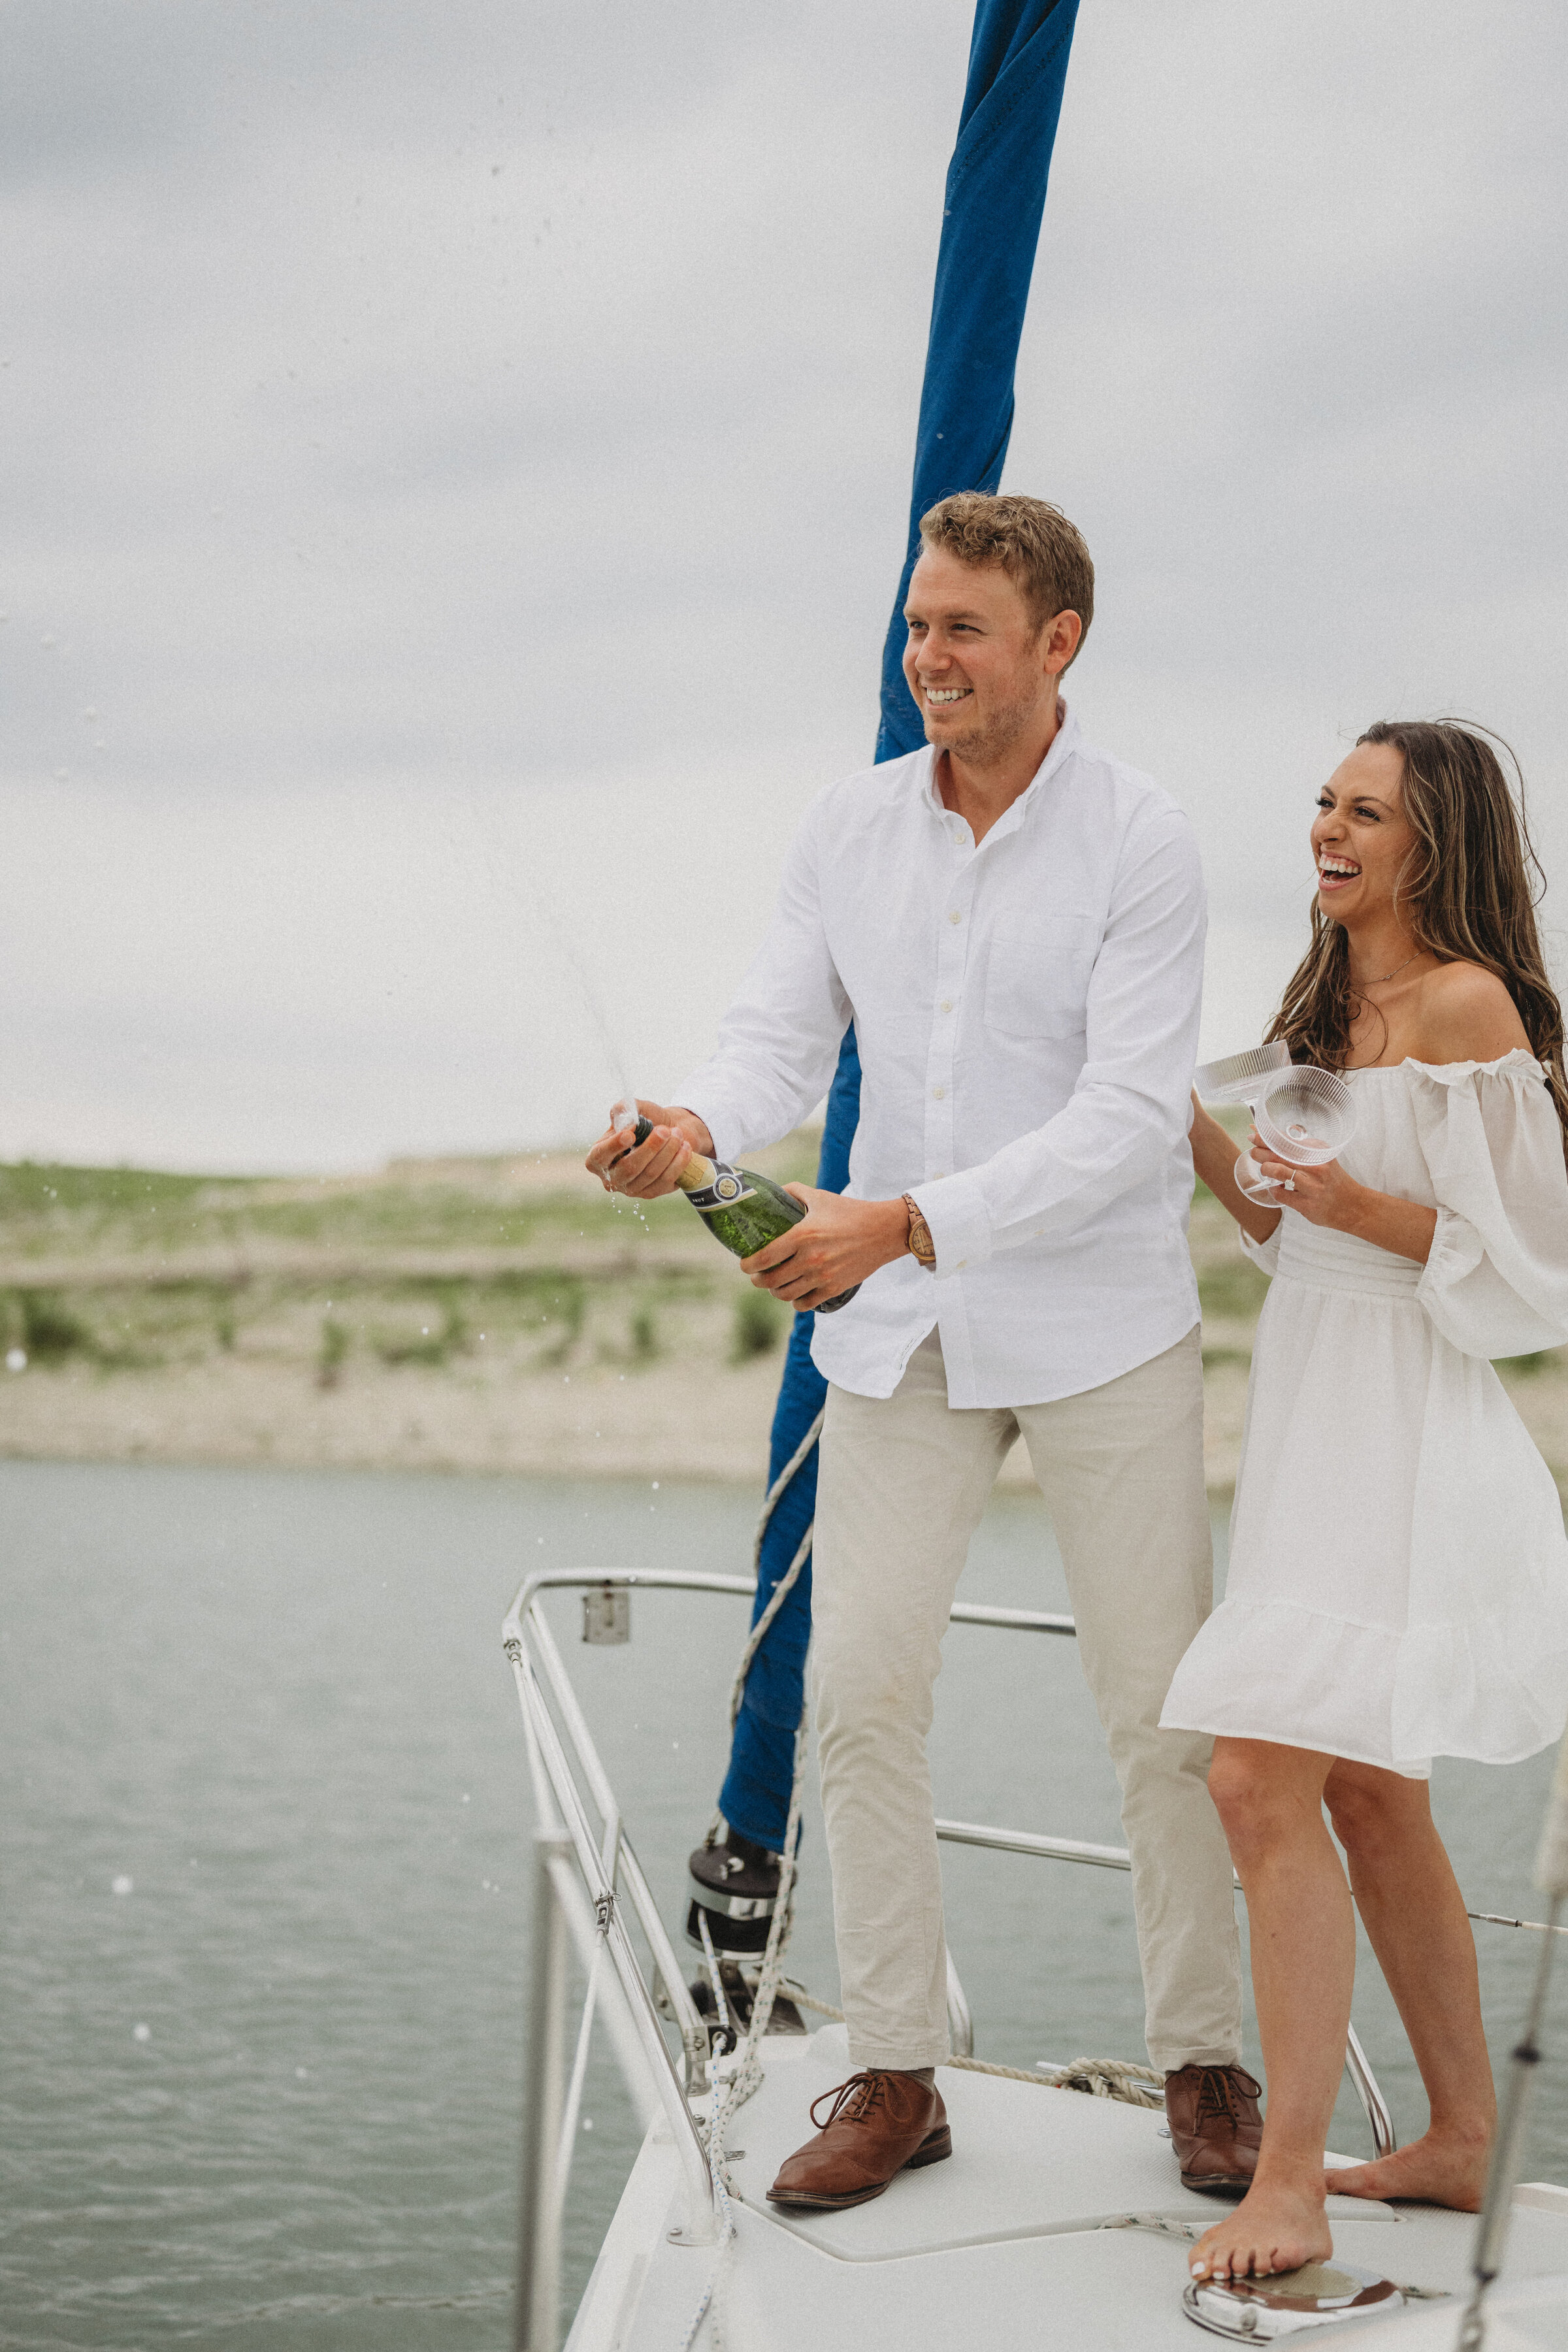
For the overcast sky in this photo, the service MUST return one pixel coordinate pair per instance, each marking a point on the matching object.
(454, 463)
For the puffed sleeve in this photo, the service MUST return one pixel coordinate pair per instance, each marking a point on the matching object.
(1264, 1256)
(1495, 1283)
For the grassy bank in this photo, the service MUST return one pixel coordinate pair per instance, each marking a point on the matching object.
(468, 1314)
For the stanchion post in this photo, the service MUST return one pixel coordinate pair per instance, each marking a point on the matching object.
(1507, 2151)
(536, 2317)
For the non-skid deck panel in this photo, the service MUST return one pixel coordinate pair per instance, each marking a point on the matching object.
(1092, 2290)
(1102, 2290)
(1024, 2162)
(776, 2294)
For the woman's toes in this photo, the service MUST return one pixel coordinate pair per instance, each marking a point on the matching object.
(1217, 2260)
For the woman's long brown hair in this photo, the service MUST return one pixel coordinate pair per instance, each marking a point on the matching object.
(1469, 891)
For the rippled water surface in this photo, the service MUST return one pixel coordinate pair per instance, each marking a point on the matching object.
(268, 2096)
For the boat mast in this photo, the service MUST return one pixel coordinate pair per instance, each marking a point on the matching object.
(992, 209)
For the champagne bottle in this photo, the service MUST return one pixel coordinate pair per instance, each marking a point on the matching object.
(739, 1207)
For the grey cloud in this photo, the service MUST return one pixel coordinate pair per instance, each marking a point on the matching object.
(349, 473)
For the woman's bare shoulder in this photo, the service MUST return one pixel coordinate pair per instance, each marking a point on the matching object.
(1465, 1014)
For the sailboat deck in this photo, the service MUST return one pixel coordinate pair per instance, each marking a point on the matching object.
(1022, 2238)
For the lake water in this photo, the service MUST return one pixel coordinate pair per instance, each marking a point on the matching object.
(268, 2099)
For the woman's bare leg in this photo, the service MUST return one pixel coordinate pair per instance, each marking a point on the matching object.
(1406, 1893)
(1302, 1934)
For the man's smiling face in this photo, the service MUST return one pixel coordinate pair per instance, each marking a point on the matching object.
(976, 662)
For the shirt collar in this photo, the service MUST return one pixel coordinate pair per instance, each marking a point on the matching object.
(1063, 744)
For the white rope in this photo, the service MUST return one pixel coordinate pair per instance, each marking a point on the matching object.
(726, 2237)
(1109, 2078)
(776, 1600)
(1105, 2078)
(780, 1592)
(788, 1582)
(744, 2073)
(780, 1483)
(715, 1976)
(1165, 2223)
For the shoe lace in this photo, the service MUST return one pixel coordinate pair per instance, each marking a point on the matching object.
(853, 2100)
(1213, 2096)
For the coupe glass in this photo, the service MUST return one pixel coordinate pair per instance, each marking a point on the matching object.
(1303, 1115)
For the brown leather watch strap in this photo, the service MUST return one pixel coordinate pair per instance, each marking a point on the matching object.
(923, 1249)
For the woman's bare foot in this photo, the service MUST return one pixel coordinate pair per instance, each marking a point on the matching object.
(1442, 2169)
(1278, 2226)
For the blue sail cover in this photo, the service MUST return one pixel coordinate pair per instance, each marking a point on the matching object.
(754, 1799)
(991, 226)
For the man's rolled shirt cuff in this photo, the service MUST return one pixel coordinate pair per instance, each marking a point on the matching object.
(716, 1115)
(955, 1210)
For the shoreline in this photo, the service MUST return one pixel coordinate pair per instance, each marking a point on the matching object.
(469, 1317)
(681, 1420)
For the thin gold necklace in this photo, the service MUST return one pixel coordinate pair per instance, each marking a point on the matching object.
(1385, 975)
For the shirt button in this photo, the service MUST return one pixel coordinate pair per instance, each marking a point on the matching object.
(947, 1005)
(938, 1093)
(955, 919)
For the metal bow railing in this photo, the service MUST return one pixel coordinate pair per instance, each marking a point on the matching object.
(590, 1892)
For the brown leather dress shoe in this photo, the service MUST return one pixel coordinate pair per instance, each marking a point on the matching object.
(1216, 2127)
(880, 2124)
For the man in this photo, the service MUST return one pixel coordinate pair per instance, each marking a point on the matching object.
(1015, 922)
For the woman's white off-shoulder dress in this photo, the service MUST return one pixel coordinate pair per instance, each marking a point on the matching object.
(1398, 1580)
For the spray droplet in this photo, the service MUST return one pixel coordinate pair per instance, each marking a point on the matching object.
(123, 1885)
(142, 2034)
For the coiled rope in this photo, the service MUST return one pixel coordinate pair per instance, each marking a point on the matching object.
(1103, 2078)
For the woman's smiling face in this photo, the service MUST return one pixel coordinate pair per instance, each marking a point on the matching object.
(1360, 835)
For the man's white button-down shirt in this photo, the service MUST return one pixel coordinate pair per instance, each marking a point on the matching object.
(1027, 1013)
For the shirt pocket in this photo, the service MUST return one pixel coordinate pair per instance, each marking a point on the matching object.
(1037, 980)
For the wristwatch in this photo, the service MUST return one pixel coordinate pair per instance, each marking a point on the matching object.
(921, 1246)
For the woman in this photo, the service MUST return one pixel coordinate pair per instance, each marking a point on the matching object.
(1398, 1572)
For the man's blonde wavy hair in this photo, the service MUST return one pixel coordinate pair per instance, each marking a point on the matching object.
(1042, 553)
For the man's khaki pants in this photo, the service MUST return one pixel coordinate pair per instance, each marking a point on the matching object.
(902, 1483)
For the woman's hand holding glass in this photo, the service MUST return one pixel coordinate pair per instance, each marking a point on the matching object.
(1324, 1196)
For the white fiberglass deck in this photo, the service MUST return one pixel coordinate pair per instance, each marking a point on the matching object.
(1059, 2220)
(1013, 2241)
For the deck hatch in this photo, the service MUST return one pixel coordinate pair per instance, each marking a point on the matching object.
(1261, 2311)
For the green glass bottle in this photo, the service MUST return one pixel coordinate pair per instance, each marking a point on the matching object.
(740, 1208)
